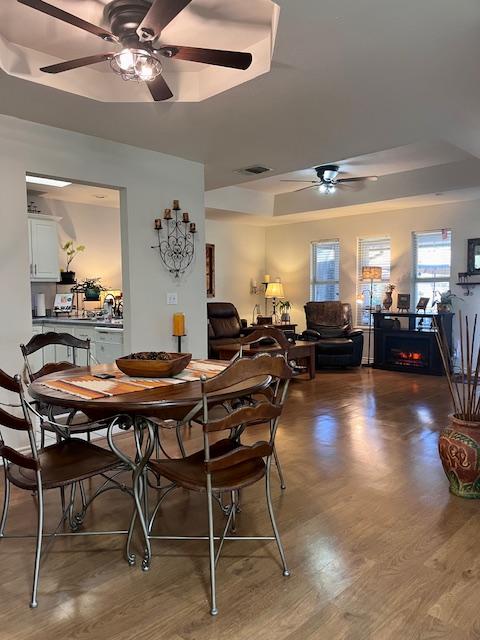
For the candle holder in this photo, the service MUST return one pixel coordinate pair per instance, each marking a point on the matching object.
(176, 240)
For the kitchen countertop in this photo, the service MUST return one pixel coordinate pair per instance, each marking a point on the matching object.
(81, 322)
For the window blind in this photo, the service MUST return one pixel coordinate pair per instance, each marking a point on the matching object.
(371, 252)
(325, 270)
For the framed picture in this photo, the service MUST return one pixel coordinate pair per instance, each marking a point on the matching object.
(63, 302)
(422, 304)
(210, 270)
(473, 260)
(403, 302)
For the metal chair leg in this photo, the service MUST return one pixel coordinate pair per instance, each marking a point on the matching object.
(42, 438)
(180, 442)
(279, 469)
(6, 501)
(286, 571)
(38, 551)
(62, 498)
(211, 542)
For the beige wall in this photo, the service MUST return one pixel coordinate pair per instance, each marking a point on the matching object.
(239, 258)
(288, 248)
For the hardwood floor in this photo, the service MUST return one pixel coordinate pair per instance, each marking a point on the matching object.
(377, 547)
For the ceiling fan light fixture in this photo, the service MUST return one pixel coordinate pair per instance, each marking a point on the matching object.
(136, 64)
(330, 174)
(327, 189)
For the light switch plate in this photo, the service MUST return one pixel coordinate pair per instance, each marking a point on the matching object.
(172, 298)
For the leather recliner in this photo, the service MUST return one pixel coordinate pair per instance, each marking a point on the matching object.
(224, 325)
(330, 324)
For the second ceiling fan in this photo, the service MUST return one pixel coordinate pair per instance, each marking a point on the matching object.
(328, 179)
(137, 25)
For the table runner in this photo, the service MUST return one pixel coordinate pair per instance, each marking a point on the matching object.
(88, 387)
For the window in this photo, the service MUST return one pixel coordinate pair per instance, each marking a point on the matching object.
(432, 252)
(325, 271)
(372, 252)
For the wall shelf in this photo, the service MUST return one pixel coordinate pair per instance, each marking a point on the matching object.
(468, 286)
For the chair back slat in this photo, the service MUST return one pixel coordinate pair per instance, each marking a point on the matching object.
(8, 383)
(13, 422)
(248, 368)
(43, 340)
(18, 424)
(264, 334)
(51, 367)
(261, 412)
(20, 459)
(240, 454)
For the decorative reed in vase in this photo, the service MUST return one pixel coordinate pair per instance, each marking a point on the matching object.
(459, 443)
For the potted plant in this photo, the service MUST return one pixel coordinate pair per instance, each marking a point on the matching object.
(459, 443)
(92, 289)
(285, 307)
(444, 301)
(388, 301)
(68, 276)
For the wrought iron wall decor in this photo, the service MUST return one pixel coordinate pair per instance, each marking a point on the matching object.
(177, 247)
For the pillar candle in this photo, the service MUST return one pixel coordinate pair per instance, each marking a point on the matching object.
(193, 227)
(176, 205)
(185, 217)
(178, 324)
(158, 224)
(168, 214)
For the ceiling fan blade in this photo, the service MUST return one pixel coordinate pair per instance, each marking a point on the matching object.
(360, 179)
(78, 62)
(159, 16)
(309, 181)
(159, 89)
(231, 59)
(312, 186)
(55, 12)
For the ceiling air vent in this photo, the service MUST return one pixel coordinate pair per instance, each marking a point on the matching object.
(254, 170)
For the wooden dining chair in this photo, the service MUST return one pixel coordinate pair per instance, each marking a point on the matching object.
(61, 465)
(227, 466)
(76, 422)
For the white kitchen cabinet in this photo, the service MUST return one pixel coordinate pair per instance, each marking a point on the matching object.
(108, 344)
(85, 333)
(43, 245)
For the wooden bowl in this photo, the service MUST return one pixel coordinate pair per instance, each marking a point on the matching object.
(154, 368)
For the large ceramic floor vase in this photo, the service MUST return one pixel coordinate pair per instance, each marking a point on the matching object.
(459, 448)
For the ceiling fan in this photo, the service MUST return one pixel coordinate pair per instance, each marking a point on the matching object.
(137, 25)
(328, 179)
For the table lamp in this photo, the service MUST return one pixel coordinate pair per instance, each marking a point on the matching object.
(274, 292)
(371, 273)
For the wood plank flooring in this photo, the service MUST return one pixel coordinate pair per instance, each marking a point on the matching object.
(377, 547)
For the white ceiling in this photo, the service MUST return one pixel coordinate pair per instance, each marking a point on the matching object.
(406, 158)
(79, 193)
(349, 78)
(30, 39)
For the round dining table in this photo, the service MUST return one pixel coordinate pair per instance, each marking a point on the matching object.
(141, 411)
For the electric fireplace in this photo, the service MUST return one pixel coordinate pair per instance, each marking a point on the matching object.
(402, 343)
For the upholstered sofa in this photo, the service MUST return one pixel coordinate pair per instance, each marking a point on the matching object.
(224, 325)
(330, 325)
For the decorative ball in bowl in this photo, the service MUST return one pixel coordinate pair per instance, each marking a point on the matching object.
(153, 364)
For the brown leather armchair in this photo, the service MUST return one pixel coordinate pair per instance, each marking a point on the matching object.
(224, 325)
(330, 324)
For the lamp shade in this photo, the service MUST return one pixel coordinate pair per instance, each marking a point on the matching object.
(274, 290)
(371, 273)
